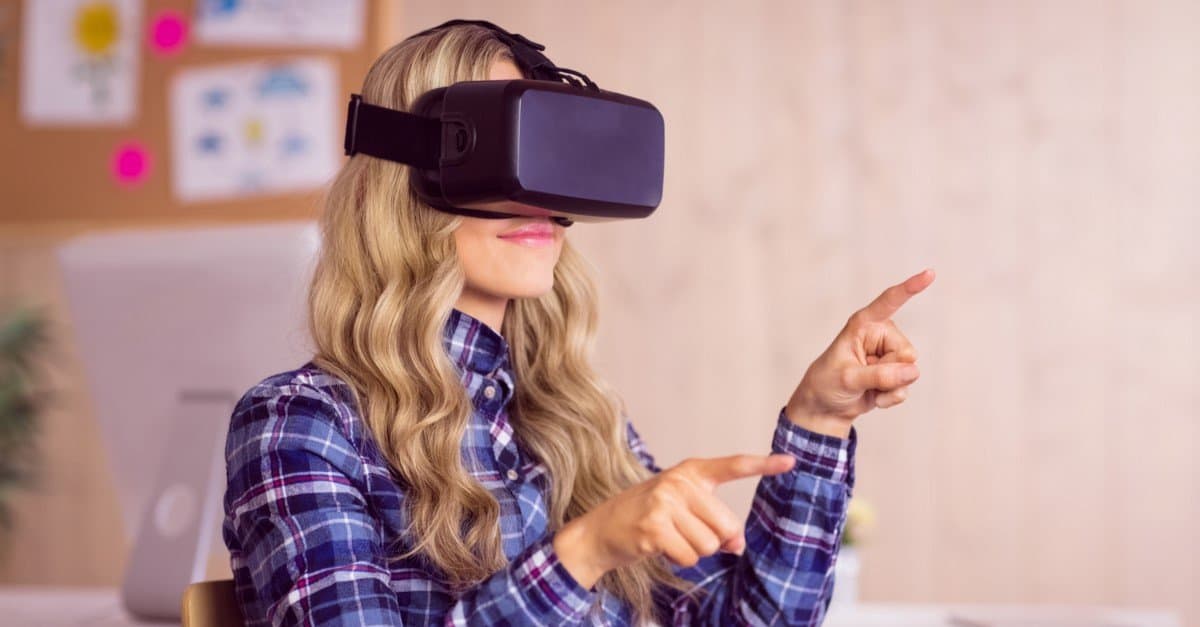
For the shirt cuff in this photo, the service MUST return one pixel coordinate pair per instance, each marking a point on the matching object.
(824, 456)
(548, 585)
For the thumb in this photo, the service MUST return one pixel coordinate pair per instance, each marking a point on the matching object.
(735, 545)
(879, 376)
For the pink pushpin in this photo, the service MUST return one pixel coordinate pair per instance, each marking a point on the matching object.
(130, 163)
(168, 32)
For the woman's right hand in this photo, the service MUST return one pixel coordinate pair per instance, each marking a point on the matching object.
(675, 513)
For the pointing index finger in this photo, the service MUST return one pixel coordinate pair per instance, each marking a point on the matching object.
(722, 469)
(894, 297)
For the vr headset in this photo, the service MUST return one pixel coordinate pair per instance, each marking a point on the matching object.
(556, 145)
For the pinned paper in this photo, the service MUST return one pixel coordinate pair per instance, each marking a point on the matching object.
(273, 23)
(130, 163)
(168, 32)
(79, 61)
(253, 128)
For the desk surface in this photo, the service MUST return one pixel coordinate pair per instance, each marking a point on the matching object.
(914, 615)
(37, 606)
(40, 606)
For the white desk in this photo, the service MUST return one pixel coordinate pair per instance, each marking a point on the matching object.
(36, 606)
(913, 615)
(42, 606)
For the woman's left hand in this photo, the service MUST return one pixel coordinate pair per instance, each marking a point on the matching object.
(870, 364)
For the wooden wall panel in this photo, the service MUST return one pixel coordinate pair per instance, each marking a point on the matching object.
(1041, 156)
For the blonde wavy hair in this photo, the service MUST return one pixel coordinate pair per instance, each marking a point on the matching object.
(384, 287)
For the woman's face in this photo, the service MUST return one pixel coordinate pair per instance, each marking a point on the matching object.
(512, 257)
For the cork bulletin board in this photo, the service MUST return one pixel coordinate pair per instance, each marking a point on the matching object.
(63, 174)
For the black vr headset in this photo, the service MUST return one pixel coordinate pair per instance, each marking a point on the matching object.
(556, 146)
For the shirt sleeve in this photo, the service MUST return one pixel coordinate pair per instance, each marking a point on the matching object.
(793, 533)
(313, 551)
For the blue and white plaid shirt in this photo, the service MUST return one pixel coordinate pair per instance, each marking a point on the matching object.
(313, 518)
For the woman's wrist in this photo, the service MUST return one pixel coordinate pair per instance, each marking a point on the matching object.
(575, 552)
(818, 423)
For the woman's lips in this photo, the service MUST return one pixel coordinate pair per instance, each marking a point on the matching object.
(535, 234)
(529, 239)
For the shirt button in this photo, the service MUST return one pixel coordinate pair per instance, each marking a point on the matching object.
(512, 475)
(489, 391)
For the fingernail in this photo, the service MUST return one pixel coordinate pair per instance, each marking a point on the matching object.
(909, 373)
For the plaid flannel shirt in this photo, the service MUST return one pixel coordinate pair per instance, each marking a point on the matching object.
(314, 518)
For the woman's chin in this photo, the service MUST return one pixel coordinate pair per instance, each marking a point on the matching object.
(532, 290)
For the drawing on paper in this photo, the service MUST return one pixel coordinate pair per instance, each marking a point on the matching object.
(253, 128)
(274, 23)
(80, 61)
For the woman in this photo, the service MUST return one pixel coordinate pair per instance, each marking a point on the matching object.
(449, 455)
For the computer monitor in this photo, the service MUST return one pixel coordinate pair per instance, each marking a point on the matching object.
(171, 327)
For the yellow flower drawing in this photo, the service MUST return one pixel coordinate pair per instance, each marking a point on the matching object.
(97, 27)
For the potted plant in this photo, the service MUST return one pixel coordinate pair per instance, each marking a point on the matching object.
(22, 336)
(860, 517)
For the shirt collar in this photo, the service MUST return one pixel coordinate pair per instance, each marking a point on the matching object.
(473, 345)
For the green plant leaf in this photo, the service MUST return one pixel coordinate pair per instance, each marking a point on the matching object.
(23, 335)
